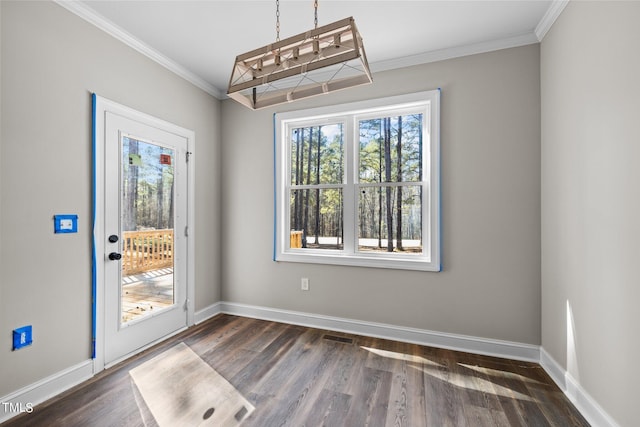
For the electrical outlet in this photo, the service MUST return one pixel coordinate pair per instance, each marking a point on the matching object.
(304, 284)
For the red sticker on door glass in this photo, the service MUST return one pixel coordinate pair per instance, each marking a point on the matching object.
(165, 159)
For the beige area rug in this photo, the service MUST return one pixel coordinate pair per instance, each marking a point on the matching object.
(178, 388)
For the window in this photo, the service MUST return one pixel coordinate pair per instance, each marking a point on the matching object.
(358, 184)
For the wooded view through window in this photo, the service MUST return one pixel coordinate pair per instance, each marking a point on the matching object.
(390, 175)
(317, 174)
(360, 185)
(147, 180)
(390, 172)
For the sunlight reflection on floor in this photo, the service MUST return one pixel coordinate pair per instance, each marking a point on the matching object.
(178, 388)
(401, 356)
(500, 374)
(472, 382)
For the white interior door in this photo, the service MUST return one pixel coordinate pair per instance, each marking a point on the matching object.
(144, 251)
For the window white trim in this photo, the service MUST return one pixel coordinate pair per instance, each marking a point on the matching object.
(348, 114)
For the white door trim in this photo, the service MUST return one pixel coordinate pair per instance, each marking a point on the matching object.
(100, 107)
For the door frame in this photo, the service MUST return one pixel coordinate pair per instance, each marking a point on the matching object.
(100, 107)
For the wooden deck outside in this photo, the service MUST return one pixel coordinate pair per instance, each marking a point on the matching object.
(146, 250)
(146, 293)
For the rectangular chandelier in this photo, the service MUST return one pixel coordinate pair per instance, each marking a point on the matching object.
(322, 60)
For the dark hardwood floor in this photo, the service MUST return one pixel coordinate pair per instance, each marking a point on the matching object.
(298, 376)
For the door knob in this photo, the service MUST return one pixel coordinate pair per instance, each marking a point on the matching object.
(113, 238)
(114, 256)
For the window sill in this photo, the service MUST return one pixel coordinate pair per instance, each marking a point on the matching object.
(399, 262)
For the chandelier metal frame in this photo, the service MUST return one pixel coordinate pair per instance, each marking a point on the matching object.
(316, 62)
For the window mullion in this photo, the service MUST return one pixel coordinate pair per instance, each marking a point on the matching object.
(350, 201)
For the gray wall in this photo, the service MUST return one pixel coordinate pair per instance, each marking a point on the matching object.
(590, 200)
(490, 286)
(51, 62)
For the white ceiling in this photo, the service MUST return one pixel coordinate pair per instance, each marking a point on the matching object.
(200, 39)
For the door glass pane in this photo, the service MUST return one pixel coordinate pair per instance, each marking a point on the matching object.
(147, 228)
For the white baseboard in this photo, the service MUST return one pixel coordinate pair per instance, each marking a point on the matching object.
(55, 384)
(588, 407)
(207, 313)
(28, 397)
(33, 394)
(489, 347)
(553, 368)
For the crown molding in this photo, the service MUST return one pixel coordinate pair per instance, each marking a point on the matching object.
(555, 9)
(115, 31)
(455, 52)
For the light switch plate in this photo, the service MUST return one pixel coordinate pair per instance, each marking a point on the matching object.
(65, 223)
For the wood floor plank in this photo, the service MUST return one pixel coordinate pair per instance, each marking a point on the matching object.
(246, 379)
(329, 409)
(446, 382)
(369, 406)
(298, 376)
(293, 366)
(305, 381)
(407, 394)
(237, 336)
(415, 388)
(346, 369)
